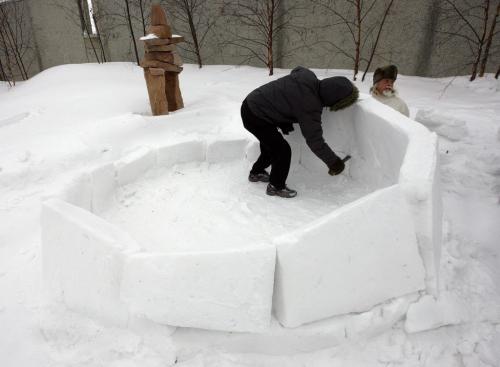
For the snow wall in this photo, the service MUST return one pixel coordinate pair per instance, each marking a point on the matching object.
(378, 248)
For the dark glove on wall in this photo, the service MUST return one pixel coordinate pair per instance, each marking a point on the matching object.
(337, 167)
(286, 128)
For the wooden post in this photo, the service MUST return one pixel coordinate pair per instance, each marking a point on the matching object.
(173, 91)
(155, 80)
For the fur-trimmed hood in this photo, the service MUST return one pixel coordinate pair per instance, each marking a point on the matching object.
(337, 92)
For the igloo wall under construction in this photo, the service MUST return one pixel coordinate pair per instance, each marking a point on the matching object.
(381, 245)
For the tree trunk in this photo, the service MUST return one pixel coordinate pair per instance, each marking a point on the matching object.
(481, 41)
(357, 40)
(141, 7)
(497, 73)
(194, 35)
(103, 54)
(377, 39)
(14, 46)
(3, 74)
(3, 77)
(81, 15)
(7, 54)
(270, 22)
(129, 19)
(489, 40)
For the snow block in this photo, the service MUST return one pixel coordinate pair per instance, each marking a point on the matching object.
(382, 141)
(443, 124)
(419, 180)
(103, 186)
(295, 140)
(130, 167)
(229, 290)
(82, 260)
(226, 150)
(79, 191)
(360, 255)
(338, 131)
(188, 151)
(252, 151)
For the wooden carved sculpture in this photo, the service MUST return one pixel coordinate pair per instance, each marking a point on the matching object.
(162, 64)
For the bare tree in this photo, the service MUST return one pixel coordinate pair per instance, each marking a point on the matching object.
(141, 5)
(86, 27)
(489, 41)
(377, 39)
(194, 19)
(6, 54)
(132, 15)
(469, 23)
(95, 19)
(3, 74)
(358, 19)
(259, 26)
(131, 27)
(7, 73)
(16, 50)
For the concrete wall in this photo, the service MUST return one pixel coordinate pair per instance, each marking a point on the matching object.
(56, 33)
(411, 37)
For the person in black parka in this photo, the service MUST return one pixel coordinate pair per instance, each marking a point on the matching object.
(296, 98)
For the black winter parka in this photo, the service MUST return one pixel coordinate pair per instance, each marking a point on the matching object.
(300, 98)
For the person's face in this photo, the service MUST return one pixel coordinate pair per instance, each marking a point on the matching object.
(385, 85)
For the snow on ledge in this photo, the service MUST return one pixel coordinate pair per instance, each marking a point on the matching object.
(96, 268)
(150, 36)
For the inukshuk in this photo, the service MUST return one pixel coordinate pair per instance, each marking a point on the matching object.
(162, 64)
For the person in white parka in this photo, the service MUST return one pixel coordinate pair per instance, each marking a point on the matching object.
(383, 89)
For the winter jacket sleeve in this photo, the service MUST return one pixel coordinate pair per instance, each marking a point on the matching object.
(313, 134)
(308, 114)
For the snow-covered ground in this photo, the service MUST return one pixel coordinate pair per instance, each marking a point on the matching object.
(166, 197)
(73, 117)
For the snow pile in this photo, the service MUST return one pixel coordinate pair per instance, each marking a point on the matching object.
(452, 129)
(429, 313)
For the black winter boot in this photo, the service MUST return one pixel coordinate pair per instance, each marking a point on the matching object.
(284, 192)
(258, 177)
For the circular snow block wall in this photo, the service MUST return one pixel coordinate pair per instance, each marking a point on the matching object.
(382, 244)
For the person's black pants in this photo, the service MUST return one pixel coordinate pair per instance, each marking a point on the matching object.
(274, 149)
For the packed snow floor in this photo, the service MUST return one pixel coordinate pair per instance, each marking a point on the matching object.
(212, 206)
(73, 117)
